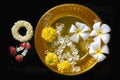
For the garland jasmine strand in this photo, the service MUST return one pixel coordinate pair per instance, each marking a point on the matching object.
(17, 26)
(24, 45)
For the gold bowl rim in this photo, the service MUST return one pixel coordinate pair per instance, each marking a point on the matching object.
(61, 5)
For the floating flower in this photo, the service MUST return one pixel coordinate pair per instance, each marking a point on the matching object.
(51, 59)
(64, 66)
(79, 30)
(49, 34)
(75, 68)
(101, 32)
(59, 28)
(67, 56)
(97, 51)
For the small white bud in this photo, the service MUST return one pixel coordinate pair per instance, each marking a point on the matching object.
(19, 48)
(24, 52)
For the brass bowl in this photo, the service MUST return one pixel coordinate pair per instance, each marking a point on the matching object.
(66, 13)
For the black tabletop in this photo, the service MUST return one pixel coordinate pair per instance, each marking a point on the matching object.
(31, 68)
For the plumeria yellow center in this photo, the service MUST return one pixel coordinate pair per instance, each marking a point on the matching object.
(49, 34)
(64, 66)
(78, 31)
(51, 59)
(98, 51)
(99, 32)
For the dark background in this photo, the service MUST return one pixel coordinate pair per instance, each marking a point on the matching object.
(32, 68)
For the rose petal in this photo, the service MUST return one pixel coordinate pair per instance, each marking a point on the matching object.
(105, 28)
(96, 26)
(75, 38)
(101, 57)
(84, 36)
(105, 49)
(12, 50)
(105, 38)
(19, 58)
(72, 29)
(93, 33)
(28, 46)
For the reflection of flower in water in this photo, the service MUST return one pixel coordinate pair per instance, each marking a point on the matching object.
(101, 32)
(79, 30)
(97, 51)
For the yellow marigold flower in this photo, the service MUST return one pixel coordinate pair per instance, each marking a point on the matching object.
(51, 59)
(49, 34)
(64, 66)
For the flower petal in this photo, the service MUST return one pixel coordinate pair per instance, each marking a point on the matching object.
(97, 38)
(101, 57)
(96, 44)
(105, 38)
(91, 50)
(84, 36)
(93, 33)
(79, 25)
(105, 28)
(96, 26)
(85, 28)
(75, 38)
(72, 29)
(105, 49)
(95, 56)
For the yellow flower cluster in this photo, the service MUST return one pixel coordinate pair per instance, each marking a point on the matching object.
(49, 34)
(51, 59)
(64, 66)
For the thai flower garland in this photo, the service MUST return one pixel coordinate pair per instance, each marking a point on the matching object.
(24, 45)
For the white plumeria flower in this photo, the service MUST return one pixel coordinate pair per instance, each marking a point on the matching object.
(97, 51)
(101, 32)
(79, 30)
